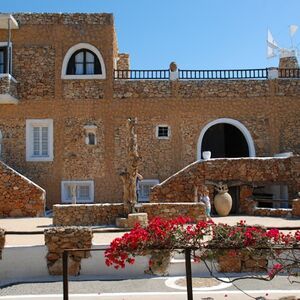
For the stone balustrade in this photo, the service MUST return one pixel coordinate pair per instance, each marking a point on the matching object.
(60, 238)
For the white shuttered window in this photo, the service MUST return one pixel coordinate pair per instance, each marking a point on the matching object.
(39, 140)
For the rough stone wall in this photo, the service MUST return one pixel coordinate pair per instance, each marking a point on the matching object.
(34, 68)
(19, 197)
(60, 238)
(245, 171)
(2, 241)
(81, 90)
(8, 86)
(106, 214)
(296, 207)
(269, 109)
(123, 62)
(195, 211)
(87, 214)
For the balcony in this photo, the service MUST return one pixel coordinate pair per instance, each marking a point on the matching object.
(233, 74)
(8, 89)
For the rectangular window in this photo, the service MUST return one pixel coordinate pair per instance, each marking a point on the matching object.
(39, 140)
(3, 60)
(144, 189)
(163, 132)
(79, 191)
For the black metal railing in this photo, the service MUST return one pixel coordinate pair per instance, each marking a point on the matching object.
(224, 74)
(141, 74)
(205, 74)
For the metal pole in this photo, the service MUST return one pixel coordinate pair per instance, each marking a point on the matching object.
(188, 274)
(65, 275)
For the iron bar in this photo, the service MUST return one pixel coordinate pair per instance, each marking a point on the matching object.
(188, 274)
(65, 275)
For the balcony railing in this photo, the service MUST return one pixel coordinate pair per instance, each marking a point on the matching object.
(208, 74)
(141, 74)
(224, 74)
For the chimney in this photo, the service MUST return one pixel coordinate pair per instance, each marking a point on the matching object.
(123, 62)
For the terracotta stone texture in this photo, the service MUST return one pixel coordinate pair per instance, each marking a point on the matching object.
(19, 197)
(87, 214)
(269, 109)
(58, 239)
(242, 171)
(296, 207)
(195, 211)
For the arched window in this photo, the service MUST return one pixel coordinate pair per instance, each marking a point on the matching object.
(84, 62)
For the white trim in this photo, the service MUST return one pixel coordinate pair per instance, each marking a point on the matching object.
(70, 53)
(151, 182)
(8, 99)
(163, 137)
(5, 44)
(10, 77)
(65, 183)
(233, 122)
(29, 142)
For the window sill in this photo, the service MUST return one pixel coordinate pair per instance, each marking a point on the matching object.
(84, 77)
(39, 159)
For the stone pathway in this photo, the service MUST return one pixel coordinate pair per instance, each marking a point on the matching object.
(104, 234)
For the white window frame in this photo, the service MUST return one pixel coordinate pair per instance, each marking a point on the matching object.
(151, 182)
(5, 44)
(66, 183)
(29, 139)
(163, 137)
(69, 54)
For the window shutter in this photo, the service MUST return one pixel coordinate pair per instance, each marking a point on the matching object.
(36, 141)
(44, 141)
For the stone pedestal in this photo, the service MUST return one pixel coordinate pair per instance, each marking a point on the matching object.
(132, 219)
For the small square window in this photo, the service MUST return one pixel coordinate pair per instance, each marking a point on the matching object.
(163, 132)
(82, 191)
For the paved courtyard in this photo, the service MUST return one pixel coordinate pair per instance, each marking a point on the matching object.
(34, 227)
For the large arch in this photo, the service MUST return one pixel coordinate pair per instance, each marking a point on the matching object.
(232, 122)
(71, 51)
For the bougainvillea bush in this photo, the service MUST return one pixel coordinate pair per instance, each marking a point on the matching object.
(212, 239)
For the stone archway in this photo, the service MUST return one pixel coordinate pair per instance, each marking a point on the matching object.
(225, 138)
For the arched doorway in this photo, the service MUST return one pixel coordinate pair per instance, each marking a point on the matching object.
(226, 138)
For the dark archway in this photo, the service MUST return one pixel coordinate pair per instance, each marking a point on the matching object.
(225, 140)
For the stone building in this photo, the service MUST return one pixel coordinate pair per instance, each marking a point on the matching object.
(66, 93)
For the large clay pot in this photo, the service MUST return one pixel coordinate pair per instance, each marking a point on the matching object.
(222, 201)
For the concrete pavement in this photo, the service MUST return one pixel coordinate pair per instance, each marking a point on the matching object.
(29, 231)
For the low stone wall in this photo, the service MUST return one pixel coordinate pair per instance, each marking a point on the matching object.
(241, 262)
(240, 171)
(19, 196)
(196, 211)
(107, 213)
(87, 214)
(60, 238)
(272, 212)
(296, 207)
(2, 241)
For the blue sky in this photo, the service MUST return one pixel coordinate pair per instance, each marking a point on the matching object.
(197, 34)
